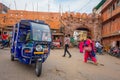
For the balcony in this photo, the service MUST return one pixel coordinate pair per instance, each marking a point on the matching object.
(109, 16)
(116, 11)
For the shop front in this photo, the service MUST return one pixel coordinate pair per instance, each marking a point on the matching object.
(58, 39)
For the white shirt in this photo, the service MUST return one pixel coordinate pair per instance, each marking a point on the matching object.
(67, 40)
(98, 45)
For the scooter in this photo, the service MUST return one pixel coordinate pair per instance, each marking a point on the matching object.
(2, 46)
(116, 52)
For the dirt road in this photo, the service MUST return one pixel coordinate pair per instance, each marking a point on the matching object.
(57, 67)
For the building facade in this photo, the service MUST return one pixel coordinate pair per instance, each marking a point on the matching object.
(8, 20)
(111, 23)
(3, 8)
(14, 16)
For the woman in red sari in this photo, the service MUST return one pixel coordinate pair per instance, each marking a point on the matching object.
(89, 54)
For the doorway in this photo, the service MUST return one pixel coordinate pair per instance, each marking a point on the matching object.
(118, 43)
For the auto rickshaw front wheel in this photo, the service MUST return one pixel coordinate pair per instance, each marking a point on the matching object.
(38, 67)
(12, 58)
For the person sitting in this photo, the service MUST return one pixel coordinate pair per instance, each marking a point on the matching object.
(28, 40)
(28, 36)
(4, 39)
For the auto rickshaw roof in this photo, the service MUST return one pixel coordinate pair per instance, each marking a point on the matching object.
(35, 21)
(26, 23)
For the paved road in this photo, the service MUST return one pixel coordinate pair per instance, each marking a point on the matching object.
(61, 68)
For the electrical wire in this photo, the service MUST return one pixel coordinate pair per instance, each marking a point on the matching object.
(83, 6)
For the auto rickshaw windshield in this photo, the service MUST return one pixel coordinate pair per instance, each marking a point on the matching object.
(41, 32)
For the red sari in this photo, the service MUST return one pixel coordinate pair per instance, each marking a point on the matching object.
(88, 54)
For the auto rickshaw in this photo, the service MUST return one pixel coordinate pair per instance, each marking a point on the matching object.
(31, 42)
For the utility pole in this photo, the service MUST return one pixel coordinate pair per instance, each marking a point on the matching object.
(25, 5)
(48, 6)
(48, 10)
(37, 12)
(33, 9)
(15, 5)
(69, 9)
(60, 10)
(37, 6)
(33, 6)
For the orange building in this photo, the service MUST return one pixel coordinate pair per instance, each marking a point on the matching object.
(14, 16)
(111, 23)
(3, 11)
(8, 20)
(10, 17)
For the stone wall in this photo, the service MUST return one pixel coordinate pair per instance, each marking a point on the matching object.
(92, 22)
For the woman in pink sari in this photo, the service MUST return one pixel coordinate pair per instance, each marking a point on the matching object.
(81, 46)
(89, 54)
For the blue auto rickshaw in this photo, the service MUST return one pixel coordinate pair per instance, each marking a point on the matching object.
(31, 42)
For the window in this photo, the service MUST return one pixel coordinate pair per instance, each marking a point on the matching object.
(118, 2)
(113, 7)
(109, 10)
(114, 19)
(41, 32)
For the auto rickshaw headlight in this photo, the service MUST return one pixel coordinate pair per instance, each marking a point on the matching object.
(39, 48)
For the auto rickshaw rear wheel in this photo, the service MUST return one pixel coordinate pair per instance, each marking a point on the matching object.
(38, 68)
(12, 58)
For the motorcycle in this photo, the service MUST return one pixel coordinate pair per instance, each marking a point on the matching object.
(114, 52)
(4, 45)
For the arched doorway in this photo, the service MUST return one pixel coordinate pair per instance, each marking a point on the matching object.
(81, 33)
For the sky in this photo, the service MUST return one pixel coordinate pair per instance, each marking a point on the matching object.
(52, 5)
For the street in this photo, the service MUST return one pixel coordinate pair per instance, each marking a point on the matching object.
(57, 67)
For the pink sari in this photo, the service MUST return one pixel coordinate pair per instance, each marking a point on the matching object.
(81, 46)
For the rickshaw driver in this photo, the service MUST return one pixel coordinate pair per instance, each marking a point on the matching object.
(28, 39)
(5, 39)
(28, 36)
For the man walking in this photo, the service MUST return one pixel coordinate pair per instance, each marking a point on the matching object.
(66, 44)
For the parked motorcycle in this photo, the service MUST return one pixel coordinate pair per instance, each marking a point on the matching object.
(114, 52)
(7, 44)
